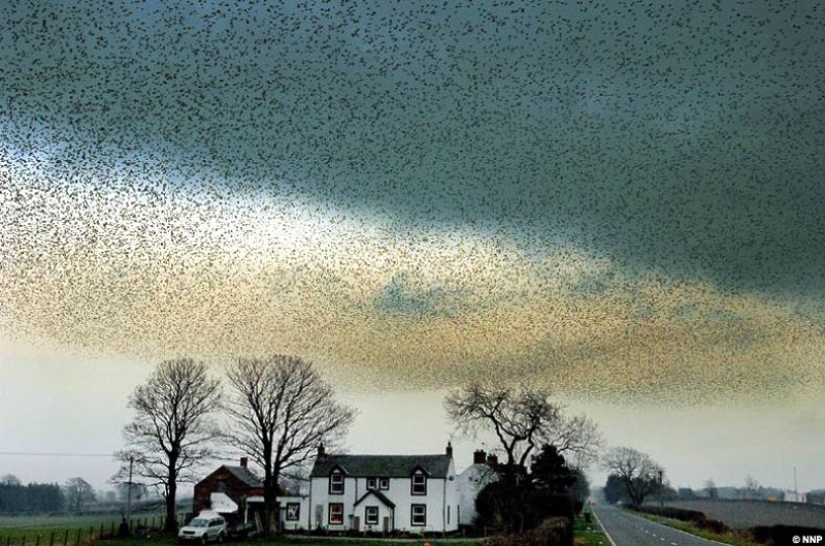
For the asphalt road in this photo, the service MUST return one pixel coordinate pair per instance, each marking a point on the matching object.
(625, 529)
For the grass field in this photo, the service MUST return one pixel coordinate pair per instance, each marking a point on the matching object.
(68, 529)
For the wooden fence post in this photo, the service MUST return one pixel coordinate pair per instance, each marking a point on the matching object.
(66, 538)
(37, 542)
(77, 540)
(23, 540)
(51, 539)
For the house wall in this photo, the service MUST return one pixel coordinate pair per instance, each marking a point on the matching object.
(303, 521)
(470, 483)
(440, 494)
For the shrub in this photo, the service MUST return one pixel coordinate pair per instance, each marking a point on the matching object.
(517, 507)
(550, 532)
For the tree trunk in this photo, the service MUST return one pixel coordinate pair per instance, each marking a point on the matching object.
(171, 524)
(270, 518)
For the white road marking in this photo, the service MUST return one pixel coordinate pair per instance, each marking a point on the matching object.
(603, 529)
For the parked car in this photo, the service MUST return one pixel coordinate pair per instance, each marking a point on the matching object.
(203, 528)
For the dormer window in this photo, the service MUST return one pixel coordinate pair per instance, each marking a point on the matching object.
(419, 483)
(336, 483)
(372, 483)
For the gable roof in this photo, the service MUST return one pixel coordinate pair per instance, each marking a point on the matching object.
(381, 496)
(245, 475)
(382, 466)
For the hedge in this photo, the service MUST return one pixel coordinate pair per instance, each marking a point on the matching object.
(782, 534)
(550, 532)
(693, 516)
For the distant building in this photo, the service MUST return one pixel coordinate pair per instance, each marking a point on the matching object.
(795, 496)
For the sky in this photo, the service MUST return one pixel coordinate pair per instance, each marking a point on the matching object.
(620, 201)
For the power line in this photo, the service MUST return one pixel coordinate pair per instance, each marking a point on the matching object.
(55, 454)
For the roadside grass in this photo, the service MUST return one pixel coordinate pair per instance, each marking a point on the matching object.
(588, 534)
(733, 538)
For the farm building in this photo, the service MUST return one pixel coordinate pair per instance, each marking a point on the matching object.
(233, 491)
(383, 493)
(378, 493)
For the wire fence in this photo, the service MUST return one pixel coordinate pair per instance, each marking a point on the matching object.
(78, 535)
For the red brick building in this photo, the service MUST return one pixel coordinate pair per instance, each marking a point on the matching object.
(237, 483)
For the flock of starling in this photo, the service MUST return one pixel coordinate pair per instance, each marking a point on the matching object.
(623, 199)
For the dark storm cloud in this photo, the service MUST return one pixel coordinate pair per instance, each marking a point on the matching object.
(687, 138)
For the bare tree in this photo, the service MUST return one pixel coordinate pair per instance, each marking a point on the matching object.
(10, 479)
(172, 432)
(523, 419)
(752, 488)
(78, 493)
(710, 487)
(640, 475)
(283, 410)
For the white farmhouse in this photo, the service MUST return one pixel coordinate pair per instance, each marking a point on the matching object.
(382, 493)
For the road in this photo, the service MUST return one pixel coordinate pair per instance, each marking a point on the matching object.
(625, 529)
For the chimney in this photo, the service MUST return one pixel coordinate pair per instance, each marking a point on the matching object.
(492, 460)
(244, 461)
(321, 450)
(449, 449)
(479, 456)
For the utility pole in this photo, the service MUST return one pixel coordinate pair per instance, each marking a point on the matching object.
(795, 487)
(129, 494)
(661, 489)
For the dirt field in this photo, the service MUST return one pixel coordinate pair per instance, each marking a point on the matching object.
(744, 514)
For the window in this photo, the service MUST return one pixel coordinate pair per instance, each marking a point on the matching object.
(419, 515)
(336, 483)
(448, 514)
(293, 511)
(371, 515)
(419, 483)
(384, 483)
(372, 483)
(336, 513)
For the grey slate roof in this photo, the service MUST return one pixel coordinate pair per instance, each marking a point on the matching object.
(245, 475)
(382, 466)
(381, 496)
